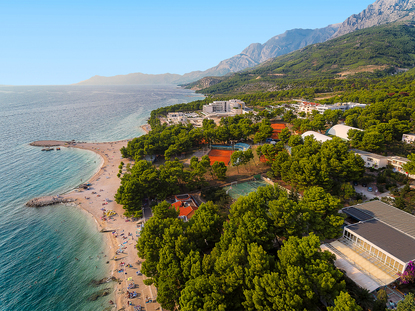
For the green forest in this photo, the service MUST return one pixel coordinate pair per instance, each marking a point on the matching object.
(262, 252)
(265, 256)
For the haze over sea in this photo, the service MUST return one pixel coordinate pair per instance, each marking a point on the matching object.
(38, 269)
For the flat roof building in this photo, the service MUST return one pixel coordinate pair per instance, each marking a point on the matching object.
(381, 243)
(408, 138)
(308, 107)
(177, 117)
(397, 163)
(372, 159)
(232, 106)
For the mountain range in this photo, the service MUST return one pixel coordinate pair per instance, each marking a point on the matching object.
(365, 53)
(379, 13)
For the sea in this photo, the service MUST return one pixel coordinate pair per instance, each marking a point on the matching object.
(50, 255)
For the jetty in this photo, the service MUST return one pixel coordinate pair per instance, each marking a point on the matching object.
(53, 143)
(49, 200)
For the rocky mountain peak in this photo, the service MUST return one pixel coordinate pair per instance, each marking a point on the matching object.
(378, 13)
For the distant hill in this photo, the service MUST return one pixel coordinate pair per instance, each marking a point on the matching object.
(132, 78)
(253, 55)
(363, 50)
(379, 13)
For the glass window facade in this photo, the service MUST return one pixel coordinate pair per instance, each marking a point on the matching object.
(374, 251)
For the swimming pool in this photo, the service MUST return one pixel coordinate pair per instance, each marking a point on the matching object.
(237, 146)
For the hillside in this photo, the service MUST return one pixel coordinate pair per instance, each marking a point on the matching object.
(364, 50)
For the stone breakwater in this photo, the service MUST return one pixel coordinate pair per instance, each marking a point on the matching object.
(54, 143)
(50, 200)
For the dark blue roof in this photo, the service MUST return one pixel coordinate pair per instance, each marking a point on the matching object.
(357, 214)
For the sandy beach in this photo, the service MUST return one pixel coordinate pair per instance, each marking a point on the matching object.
(104, 185)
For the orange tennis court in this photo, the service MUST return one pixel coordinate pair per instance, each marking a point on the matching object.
(277, 127)
(220, 156)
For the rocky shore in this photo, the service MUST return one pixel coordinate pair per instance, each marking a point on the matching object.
(54, 143)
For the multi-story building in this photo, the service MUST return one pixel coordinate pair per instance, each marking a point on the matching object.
(372, 159)
(308, 107)
(233, 106)
(397, 163)
(177, 117)
(408, 138)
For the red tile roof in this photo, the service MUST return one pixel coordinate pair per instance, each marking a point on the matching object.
(310, 104)
(176, 205)
(187, 211)
(185, 206)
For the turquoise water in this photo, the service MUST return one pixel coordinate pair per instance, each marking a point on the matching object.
(237, 146)
(38, 270)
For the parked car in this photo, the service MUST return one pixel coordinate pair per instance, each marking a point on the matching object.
(355, 183)
(369, 189)
(364, 185)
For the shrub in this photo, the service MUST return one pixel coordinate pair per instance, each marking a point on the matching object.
(408, 276)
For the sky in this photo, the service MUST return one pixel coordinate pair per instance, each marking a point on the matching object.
(64, 42)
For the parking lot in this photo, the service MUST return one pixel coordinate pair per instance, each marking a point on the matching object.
(364, 191)
(370, 195)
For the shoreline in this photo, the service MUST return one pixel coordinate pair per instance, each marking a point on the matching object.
(104, 185)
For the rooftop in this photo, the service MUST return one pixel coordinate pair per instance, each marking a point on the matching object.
(387, 238)
(396, 158)
(187, 211)
(356, 213)
(369, 154)
(310, 104)
(394, 217)
(317, 136)
(341, 130)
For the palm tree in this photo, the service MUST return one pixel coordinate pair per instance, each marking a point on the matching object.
(363, 298)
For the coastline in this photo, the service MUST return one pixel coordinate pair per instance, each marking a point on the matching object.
(105, 183)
